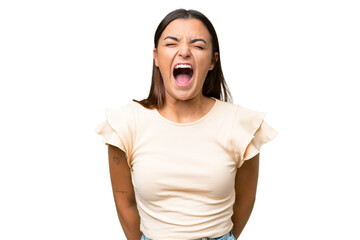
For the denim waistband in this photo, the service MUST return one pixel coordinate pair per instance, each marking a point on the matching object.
(224, 237)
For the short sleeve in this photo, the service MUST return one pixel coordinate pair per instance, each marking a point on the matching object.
(250, 132)
(118, 128)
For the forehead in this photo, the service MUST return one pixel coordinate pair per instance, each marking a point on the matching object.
(186, 27)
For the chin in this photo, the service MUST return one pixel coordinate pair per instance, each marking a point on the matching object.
(183, 95)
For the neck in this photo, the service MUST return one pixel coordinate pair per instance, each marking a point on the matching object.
(186, 111)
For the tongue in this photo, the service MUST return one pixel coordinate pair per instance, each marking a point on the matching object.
(182, 78)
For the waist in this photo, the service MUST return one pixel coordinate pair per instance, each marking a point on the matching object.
(228, 236)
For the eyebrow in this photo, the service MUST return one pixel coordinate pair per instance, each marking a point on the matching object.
(192, 41)
(172, 38)
(198, 40)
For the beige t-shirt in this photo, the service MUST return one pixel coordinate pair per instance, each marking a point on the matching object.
(184, 173)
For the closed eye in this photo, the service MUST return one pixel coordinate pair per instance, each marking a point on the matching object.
(199, 47)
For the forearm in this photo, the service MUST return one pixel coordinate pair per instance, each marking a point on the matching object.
(242, 212)
(130, 222)
(124, 195)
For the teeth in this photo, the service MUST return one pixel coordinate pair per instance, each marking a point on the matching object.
(183, 66)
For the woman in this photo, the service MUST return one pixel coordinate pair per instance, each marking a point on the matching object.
(184, 162)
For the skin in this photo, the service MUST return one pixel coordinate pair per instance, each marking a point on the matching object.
(185, 41)
(182, 41)
(124, 195)
(245, 189)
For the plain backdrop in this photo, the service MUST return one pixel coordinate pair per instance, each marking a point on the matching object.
(63, 62)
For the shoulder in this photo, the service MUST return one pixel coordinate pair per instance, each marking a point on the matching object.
(123, 115)
(249, 117)
(127, 107)
(125, 111)
(249, 132)
(239, 112)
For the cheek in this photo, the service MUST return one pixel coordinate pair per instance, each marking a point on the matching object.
(164, 68)
(163, 60)
(204, 64)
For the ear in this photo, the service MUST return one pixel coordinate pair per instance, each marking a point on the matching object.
(155, 57)
(214, 60)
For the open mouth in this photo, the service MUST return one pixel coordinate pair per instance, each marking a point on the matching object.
(183, 74)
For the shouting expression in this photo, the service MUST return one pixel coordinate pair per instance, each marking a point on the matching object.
(184, 56)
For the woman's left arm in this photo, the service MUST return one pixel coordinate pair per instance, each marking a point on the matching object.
(245, 188)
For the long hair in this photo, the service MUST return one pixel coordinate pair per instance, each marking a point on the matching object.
(214, 85)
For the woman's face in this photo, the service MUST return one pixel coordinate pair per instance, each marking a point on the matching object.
(184, 57)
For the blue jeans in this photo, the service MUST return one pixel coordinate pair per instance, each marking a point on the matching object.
(228, 236)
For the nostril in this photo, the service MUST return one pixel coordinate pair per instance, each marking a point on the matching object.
(185, 53)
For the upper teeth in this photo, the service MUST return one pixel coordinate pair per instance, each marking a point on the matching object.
(183, 66)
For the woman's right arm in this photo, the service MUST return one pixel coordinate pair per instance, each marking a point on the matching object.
(124, 195)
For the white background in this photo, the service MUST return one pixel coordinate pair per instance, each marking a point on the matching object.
(63, 62)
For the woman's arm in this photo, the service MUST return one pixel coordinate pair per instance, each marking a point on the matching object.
(124, 195)
(245, 189)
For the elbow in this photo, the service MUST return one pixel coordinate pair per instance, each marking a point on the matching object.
(125, 205)
(253, 203)
(253, 200)
(124, 211)
(245, 203)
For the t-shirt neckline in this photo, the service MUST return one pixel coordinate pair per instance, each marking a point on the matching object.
(190, 123)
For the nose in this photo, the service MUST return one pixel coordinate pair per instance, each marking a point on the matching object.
(184, 52)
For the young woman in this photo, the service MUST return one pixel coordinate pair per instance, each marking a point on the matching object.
(184, 162)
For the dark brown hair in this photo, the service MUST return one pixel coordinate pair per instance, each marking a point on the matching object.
(214, 85)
